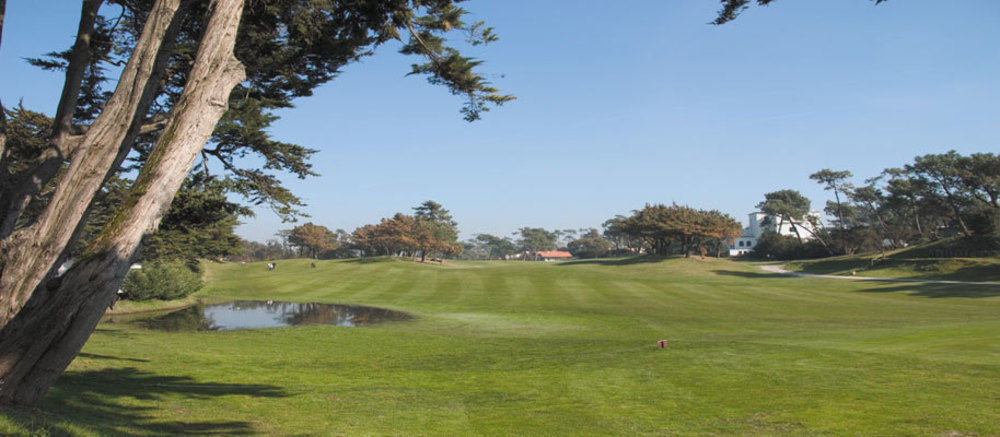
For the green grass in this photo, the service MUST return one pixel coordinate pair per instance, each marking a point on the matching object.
(958, 269)
(519, 348)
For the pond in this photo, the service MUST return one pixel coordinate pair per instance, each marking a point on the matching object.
(252, 314)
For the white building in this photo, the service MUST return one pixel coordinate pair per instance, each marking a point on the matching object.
(760, 222)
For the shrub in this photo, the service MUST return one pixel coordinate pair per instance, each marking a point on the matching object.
(771, 245)
(167, 280)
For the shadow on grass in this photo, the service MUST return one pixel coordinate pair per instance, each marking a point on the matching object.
(619, 261)
(111, 357)
(372, 260)
(751, 275)
(939, 290)
(122, 401)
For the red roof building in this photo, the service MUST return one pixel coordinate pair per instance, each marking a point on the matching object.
(551, 255)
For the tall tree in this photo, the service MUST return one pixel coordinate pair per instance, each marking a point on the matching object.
(793, 207)
(788, 206)
(980, 174)
(313, 239)
(665, 227)
(591, 245)
(496, 247)
(181, 62)
(435, 230)
(943, 171)
(533, 240)
(835, 181)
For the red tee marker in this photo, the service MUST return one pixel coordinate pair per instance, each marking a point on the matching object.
(663, 343)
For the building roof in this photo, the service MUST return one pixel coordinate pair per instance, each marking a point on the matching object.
(554, 254)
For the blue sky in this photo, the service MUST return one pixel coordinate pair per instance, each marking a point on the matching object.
(620, 104)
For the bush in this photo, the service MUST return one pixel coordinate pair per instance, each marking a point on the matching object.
(771, 245)
(168, 280)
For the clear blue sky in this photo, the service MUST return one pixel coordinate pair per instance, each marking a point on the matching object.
(620, 104)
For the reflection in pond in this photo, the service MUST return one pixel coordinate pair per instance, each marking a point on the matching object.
(250, 314)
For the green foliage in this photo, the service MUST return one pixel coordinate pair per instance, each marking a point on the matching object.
(771, 245)
(199, 224)
(790, 205)
(663, 229)
(288, 49)
(436, 231)
(590, 245)
(26, 138)
(430, 230)
(162, 280)
(536, 239)
(496, 247)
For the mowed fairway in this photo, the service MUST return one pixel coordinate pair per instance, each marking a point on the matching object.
(518, 348)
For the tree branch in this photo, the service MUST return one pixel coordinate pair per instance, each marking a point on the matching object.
(155, 124)
(79, 60)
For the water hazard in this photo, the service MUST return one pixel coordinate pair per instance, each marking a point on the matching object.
(252, 314)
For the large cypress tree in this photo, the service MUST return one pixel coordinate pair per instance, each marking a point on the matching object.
(194, 72)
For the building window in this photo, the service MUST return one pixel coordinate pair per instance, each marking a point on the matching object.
(741, 243)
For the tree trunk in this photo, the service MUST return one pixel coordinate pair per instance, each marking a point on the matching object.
(954, 207)
(794, 228)
(30, 253)
(840, 221)
(21, 187)
(45, 336)
(3, 114)
(3, 130)
(816, 236)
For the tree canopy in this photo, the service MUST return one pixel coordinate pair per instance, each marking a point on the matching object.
(662, 230)
(312, 240)
(190, 73)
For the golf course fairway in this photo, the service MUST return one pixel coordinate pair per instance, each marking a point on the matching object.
(535, 348)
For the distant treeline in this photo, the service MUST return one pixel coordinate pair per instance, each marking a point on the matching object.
(935, 196)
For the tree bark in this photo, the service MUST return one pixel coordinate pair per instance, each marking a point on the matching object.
(48, 333)
(29, 254)
(3, 114)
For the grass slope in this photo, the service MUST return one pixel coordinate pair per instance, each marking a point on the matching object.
(518, 348)
(941, 259)
(952, 269)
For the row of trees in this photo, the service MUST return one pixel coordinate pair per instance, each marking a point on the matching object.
(935, 196)
(429, 231)
(655, 229)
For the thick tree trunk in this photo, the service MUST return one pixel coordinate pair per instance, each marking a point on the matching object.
(29, 254)
(39, 343)
(3, 114)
